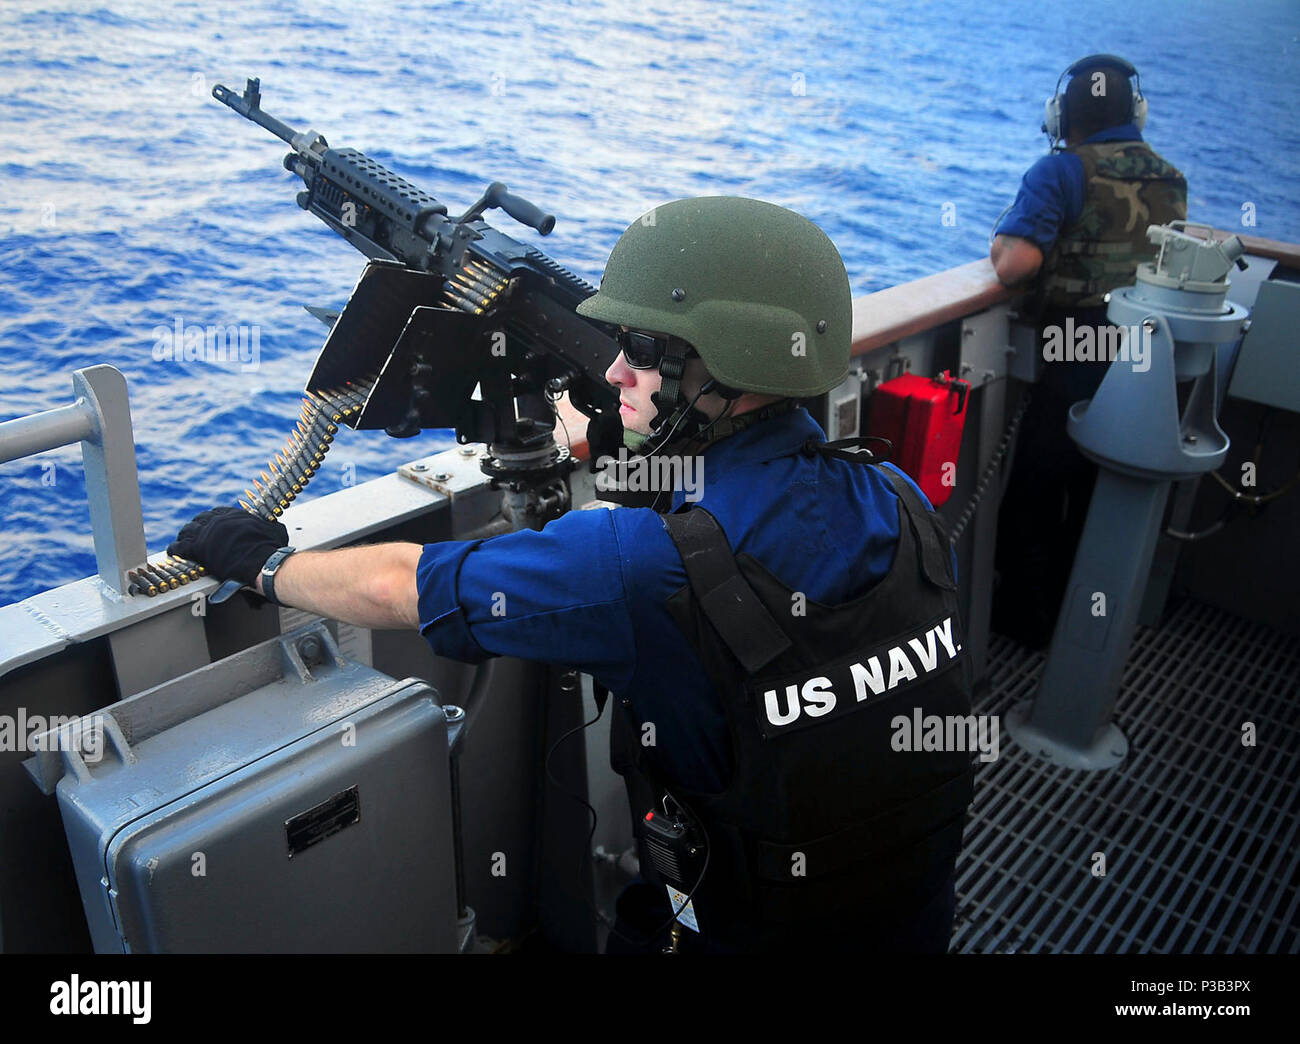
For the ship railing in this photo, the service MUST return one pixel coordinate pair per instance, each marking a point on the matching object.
(100, 419)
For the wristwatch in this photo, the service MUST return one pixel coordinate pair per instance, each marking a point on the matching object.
(269, 568)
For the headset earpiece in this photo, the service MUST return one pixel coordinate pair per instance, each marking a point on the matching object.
(1052, 112)
(1139, 118)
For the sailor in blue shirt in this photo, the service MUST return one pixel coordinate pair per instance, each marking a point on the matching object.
(728, 311)
(589, 590)
(1080, 217)
(1052, 192)
(1077, 228)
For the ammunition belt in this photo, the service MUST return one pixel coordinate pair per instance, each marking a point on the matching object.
(286, 476)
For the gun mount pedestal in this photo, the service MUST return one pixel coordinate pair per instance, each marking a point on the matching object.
(533, 474)
(1133, 430)
(492, 377)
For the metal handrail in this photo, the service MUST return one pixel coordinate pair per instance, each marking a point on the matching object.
(100, 419)
(46, 431)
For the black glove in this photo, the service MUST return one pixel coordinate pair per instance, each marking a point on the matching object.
(230, 542)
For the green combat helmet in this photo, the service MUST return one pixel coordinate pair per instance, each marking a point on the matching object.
(759, 292)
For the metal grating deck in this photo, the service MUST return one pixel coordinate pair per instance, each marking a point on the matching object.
(1199, 832)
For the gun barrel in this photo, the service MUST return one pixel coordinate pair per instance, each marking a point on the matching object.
(456, 279)
(248, 105)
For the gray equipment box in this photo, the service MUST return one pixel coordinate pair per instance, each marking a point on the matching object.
(283, 800)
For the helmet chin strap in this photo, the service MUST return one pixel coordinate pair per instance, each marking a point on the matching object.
(669, 396)
(684, 422)
(674, 418)
(677, 422)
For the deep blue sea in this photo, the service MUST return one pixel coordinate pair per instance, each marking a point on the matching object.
(131, 199)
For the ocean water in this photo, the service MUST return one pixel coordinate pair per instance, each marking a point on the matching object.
(132, 200)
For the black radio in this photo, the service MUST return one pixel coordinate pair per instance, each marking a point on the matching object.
(674, 847)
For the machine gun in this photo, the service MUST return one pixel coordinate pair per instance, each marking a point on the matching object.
(452, 324)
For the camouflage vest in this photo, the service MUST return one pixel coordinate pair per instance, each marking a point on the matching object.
(1126, 188)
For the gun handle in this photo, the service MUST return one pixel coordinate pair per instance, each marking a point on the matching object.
(520, 209)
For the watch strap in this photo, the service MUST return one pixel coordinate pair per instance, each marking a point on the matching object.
(269, 568)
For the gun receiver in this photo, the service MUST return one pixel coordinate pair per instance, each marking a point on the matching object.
(447, 307)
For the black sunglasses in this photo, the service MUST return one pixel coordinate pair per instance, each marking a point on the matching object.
(642, 351)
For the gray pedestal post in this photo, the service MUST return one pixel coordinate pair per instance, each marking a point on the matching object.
(1173, 318)
(1069, 720)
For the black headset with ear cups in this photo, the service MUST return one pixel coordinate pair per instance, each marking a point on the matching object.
(1054, 112)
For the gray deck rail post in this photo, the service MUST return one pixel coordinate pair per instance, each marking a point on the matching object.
(1134, 431)
(100, 419)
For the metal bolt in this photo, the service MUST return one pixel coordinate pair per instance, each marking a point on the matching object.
(679, 294)
(442, 476)
(1189, 438)
(309, 649)
(1149, 325)
(419, 467)
(452, 713)
(821, 325)
(467, 451)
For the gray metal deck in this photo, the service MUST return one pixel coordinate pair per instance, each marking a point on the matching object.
(1199, 831)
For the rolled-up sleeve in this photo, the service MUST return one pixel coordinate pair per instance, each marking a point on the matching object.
(556, 595)
(442, 621)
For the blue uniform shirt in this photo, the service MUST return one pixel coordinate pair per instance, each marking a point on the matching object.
(1052, 191)
(589, 590)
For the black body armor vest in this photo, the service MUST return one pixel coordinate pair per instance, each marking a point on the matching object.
(824, 824)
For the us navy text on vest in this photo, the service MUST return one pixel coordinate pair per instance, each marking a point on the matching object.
(803, 700)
